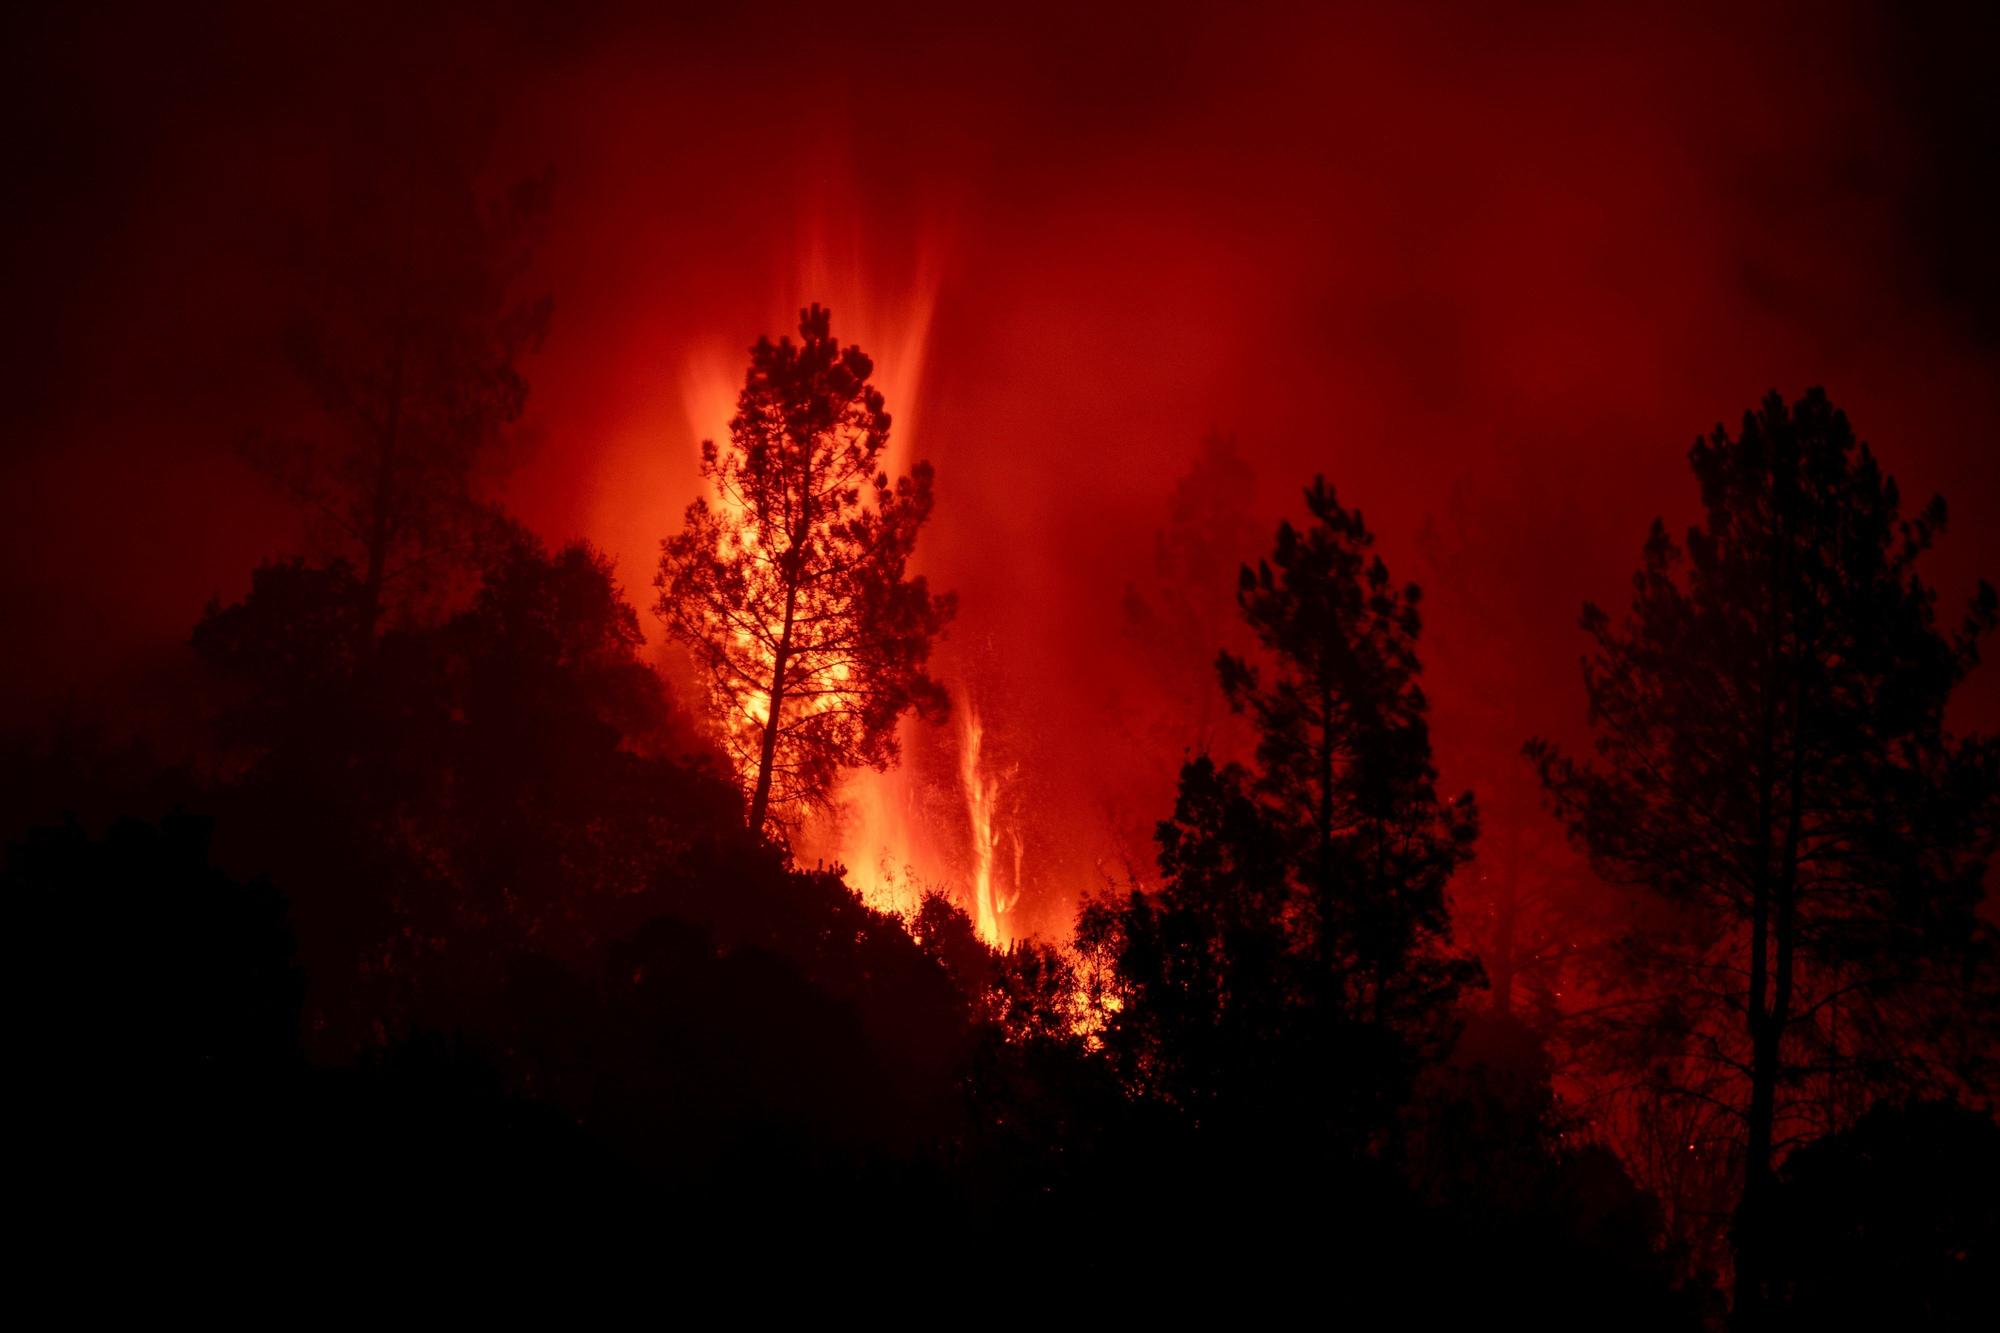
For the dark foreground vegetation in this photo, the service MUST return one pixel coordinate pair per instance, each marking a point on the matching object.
(466, 959)
(450, 952)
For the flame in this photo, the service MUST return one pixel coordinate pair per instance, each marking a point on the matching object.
(940, 821)
(938, 827)
(899, 840)
(896, 836)
(990, 903)
(878, 832)
(878, 828)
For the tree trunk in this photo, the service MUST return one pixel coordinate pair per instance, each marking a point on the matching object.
(1750, 1240)
(1773, 928)
(760, 800)
(1753, 1273)
(1747, 1238)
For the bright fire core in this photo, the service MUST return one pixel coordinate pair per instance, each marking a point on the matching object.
(897, 838)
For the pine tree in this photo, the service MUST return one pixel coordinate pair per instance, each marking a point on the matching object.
(792, 589)
(1345, 768)
(410, 337)
(1773, 767)
(1295, 961)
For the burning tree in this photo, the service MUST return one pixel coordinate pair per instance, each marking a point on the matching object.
(792, 590)
(1774, 768)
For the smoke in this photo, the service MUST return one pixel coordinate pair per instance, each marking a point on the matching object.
(1489, 271)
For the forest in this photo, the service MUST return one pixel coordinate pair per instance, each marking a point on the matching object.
(1355, 864)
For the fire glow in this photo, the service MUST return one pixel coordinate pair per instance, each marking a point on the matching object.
(896, 836)
(991, 901)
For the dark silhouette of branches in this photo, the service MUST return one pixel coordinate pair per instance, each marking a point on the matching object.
(1773, 766)
(410, 335)
(792, 589)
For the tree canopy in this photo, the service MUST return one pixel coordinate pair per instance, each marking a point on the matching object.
(792, 586)
(1300, 924)
(1773, 766)
(409, 335)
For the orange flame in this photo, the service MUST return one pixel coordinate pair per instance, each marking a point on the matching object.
(982, 798)
(877, 829)
(879, 834)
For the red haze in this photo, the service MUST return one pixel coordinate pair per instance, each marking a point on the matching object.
(1488, 270)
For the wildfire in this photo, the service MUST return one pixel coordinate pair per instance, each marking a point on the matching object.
(991, 902)
(880, 834)
(894, 832)
(899, 836)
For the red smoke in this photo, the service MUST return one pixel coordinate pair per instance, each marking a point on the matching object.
(1485, 270)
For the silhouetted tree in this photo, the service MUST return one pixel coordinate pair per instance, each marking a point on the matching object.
(1207, 967)
(792, 589)
(516, 773)
(946, 934)
(567, 779)
(285, 653)
(1345, 771)
(409, 337)
(1773, 767)
(312, 757)
(1300, 926)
